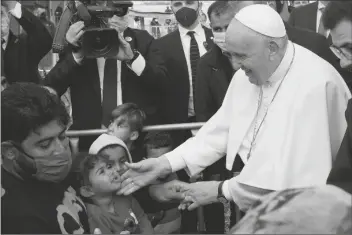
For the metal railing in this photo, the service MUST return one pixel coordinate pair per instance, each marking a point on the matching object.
(167, 127)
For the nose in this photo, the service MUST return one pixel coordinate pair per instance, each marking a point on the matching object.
(61, 145)
(110, 127)
(236, 65)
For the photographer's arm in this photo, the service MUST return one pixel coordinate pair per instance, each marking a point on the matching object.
(39, 39)
(147, 61)
(60, 77)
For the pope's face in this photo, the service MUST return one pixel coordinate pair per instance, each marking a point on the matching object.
(248, 51)
(342, 43)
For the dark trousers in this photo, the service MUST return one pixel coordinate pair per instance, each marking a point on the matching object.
(214, 213)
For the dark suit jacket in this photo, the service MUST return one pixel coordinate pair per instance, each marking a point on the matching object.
(176, 90)
(320, 46)
(341, 172)
(84, 84)
(24, 52)
(214, 75)
(305, 17)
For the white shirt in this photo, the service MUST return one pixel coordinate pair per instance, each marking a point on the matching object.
(137, 67)
(186, 44)
(321, 7)
(299, 138)
(16, 12)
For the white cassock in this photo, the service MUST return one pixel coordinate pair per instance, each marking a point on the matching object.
(298, 140)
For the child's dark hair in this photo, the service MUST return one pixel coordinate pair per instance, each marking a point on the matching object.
(159, 139)
(131, 113)
(87, 163)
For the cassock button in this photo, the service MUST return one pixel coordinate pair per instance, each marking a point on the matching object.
(128, 39)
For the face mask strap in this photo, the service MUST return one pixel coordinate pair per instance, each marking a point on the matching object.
(26, 166)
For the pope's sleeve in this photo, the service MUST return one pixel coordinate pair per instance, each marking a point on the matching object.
(209, 144)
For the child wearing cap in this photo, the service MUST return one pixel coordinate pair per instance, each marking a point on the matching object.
(101, 172)
(166, 217)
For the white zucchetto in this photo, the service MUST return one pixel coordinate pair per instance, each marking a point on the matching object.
(262, 19)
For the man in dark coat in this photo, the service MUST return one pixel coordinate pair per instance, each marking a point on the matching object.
(181, 50)
(21, 54)
(130, 78)
(338, 18)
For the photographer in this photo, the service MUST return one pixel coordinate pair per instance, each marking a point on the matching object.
(100, 84)
(21, 53)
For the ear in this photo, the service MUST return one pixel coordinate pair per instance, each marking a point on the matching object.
(9, 151)
(134, 135)
(273, 48)
(86, 191)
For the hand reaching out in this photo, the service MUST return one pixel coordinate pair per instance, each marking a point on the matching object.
(171, 191)
(143, 173)
(200, 194)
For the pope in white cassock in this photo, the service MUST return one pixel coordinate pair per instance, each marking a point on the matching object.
(283, 115)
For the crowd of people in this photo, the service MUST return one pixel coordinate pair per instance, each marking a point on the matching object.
(276, 143)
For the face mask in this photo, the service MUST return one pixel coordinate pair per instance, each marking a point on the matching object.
(53, 168)
(121, 22)
(219, 40)
(186, 16)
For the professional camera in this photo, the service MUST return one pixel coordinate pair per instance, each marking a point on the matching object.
(98, 39)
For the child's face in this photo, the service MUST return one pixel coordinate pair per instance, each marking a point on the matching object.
(157, 152)
(118, 156)
(105, 177)
(121, 129)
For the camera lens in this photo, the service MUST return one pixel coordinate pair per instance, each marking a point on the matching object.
(99, 42)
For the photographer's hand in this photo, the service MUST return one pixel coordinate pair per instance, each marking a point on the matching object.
(125, 50)
(74, 33)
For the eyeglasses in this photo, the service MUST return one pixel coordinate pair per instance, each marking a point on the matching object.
(341, 53)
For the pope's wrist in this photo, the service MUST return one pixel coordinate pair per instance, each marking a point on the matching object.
(165, 166)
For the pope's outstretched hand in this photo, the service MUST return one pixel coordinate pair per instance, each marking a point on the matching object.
(143, 173)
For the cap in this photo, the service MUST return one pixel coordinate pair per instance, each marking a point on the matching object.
(262, 19)
(105, 140)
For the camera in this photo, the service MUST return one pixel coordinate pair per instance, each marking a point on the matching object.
(98, 39)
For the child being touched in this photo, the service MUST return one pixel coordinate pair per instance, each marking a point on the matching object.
(101, 172)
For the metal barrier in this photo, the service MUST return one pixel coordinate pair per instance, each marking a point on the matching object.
(167, 127)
